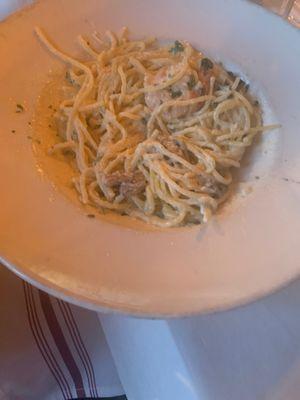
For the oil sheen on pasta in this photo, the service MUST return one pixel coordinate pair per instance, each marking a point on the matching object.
(152, 132)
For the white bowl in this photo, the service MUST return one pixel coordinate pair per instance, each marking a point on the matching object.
(249, 249)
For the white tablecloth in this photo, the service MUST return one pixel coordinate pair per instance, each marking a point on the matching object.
(251, 353)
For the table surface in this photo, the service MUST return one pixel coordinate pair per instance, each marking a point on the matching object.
(251, 353)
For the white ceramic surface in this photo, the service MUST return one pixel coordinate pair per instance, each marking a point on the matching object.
(249, 249)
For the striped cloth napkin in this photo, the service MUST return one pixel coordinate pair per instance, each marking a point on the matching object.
(51, 350)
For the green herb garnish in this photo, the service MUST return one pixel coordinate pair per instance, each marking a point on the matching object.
(231, 74)
(68, 152)
(177, 48)
(20, 108)
(68, 78)
(243, 86)
(206, 64)
(192, 82)
(175, 93)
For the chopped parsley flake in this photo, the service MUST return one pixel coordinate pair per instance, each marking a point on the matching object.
(243, 86)
(206, 64)
(231, 74)
(68, 78)
(20, 108)
(175, 93)
(177, 48)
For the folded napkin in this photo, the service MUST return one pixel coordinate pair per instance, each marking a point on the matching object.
(50, 350)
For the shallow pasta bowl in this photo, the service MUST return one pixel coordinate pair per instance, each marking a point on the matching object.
(250, 248)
